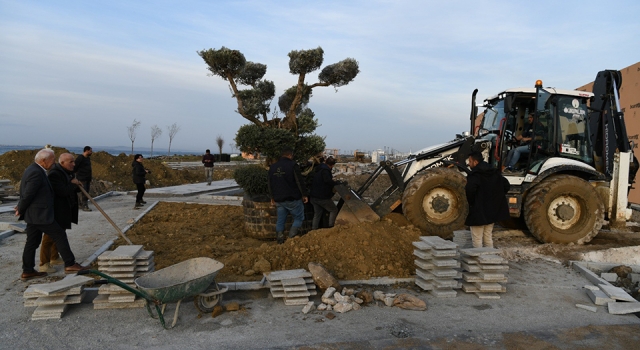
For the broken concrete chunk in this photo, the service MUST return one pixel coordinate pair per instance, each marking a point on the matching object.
(322, 277)
(358, 300)
(356, 307)
(587, 307)
(378, 295)
(329, 308)
(591, 287)
(389, 301)
(309, 307)
(348, 291)
(341, 298)
(410, 302)
(343, 307)
(329, 301)
(609, 276)
(328, 293)
(322, 307)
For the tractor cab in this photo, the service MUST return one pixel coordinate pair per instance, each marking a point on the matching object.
(528, 126)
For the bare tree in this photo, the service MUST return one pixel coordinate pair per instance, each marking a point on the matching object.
(220, 143)
(133, 131)
(155, 133)
(173, 130)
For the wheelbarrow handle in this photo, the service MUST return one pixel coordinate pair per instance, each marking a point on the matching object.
(117, 282)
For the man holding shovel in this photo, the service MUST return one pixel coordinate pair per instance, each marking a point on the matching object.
(65, 207)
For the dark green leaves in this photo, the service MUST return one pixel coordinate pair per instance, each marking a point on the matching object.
(341, 73)
(305, 61)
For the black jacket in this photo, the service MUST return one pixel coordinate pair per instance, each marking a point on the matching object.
(285, 181)
(486, 189)
(83, 168)
(322, 184)
(138, 172)
(65, 201)
(36, 196)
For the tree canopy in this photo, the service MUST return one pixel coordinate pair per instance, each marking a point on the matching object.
(268, 132)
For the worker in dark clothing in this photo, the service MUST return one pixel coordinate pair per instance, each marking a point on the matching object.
(84, 175)
(486, 189)
(322, 192)
(139, 172)
(287, 193)
(208, 160)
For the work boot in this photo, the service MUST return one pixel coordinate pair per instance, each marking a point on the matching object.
(143, 202)
(47, 267)
(280, 237)
(293, 232)
(57, 261)
(137, 206)
(86, 208)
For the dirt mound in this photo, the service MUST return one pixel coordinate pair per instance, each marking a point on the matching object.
(180, 231)
(110, 172)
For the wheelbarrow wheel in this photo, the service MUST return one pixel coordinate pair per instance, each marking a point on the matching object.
(206, 303)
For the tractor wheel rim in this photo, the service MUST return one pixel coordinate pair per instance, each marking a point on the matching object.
(564, 212)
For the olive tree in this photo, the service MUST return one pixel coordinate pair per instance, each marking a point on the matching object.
(293, 127)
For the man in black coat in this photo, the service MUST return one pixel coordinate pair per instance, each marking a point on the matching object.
(322, 192)
(288, 193)
(65, 206)
(486, 189)
(36, 208)
(84, 174)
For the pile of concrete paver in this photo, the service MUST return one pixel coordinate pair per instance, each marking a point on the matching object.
(53, 299)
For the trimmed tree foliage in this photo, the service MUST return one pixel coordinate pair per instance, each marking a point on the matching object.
(267, 135)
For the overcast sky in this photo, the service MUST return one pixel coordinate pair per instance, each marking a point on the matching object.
(75, 73)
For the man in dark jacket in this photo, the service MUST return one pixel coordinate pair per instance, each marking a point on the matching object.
(65, 207)
(36, 209)
(138, 173)
(84, 175)
(486, 189)
(287, 193)
(208, 159)
(322, 192)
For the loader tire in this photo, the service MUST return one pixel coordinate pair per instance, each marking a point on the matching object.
(564, 209)
(436, 202)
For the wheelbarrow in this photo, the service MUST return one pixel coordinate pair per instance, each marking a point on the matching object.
(190, 278)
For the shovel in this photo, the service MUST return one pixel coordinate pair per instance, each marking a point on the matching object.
(105, 214)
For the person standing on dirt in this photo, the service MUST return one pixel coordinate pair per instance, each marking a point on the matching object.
(65, 207)
(84, 175)
(208, 161)
(139, 173)
(322, 192)
(486, 189)
(36, 209)
(287, 193)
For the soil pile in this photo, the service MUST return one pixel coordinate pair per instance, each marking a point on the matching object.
(180, 231)
(110, 172)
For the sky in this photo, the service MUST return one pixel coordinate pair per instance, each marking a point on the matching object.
(75, 73)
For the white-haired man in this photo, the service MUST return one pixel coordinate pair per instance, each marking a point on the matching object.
(36, 208)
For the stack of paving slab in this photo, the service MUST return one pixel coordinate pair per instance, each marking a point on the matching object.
(436, 266)
(463, 239)
(125, 263)
(295, 286)
(53, 299)
(617, 300)
(483, 272)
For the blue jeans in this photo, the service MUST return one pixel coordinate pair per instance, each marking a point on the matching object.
(295, 208)
(515, 156)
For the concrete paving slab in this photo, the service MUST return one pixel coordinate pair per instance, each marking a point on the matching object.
(125, 252)
(443, 293)
(64, 284)
(616, 293)
(32, 292)
(189, 189)
(480, 251)
(622, 308)
(609, 276)
(425, 285)
(438, 243)
(598, 297)
(286, 274)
